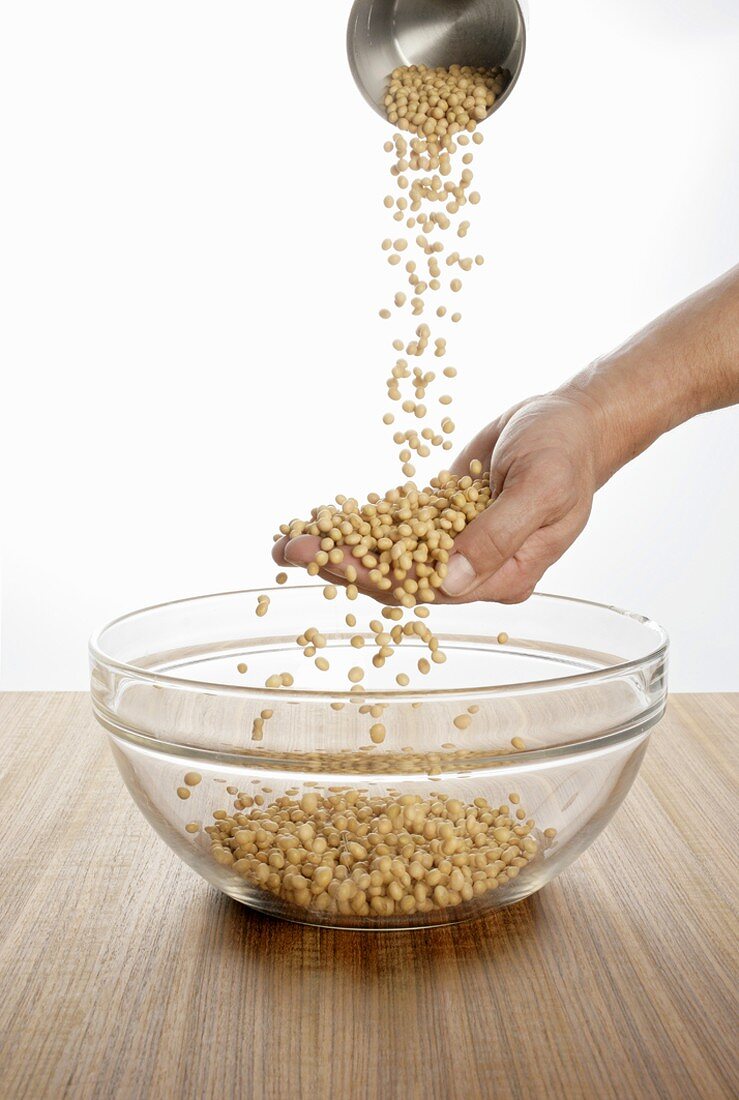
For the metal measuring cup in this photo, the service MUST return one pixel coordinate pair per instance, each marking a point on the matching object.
(383, 34)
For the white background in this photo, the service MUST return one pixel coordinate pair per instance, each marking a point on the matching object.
(191, 351)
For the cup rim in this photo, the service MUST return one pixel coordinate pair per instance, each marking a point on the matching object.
(520, 5)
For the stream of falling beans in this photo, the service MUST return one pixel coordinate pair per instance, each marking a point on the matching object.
(436, 111)
(344, 851)
(397, 546)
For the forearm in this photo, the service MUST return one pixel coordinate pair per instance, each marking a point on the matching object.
(684, 363)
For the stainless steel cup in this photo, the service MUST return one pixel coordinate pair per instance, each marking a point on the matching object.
(383, 34)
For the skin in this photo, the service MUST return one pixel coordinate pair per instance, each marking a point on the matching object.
(549, 454)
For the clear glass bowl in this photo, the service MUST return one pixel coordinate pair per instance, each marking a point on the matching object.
(436, 824)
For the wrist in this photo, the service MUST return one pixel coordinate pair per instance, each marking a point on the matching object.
(609, 423)
(633, 399)
(684, 363)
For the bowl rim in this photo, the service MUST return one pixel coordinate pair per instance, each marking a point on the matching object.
(98, 655)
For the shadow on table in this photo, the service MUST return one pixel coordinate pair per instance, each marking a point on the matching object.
(286, 951)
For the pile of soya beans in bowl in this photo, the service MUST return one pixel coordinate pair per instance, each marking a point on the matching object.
(350, 853)
(345, 850)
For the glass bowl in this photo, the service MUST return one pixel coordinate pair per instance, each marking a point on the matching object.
(384, 807)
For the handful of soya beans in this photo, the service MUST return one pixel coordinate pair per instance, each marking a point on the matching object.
(402, 540)
(354, 854)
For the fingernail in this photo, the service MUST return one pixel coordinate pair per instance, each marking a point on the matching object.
(460, 576)
(293, 548)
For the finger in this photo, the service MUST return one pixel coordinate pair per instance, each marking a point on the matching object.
(517, 578)
(297, 551)
(514, 582)
(480, 448)
(493, 537)
(278, 551)
(483, 445)
(302, 550)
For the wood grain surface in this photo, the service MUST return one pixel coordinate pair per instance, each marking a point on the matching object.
(123, 974)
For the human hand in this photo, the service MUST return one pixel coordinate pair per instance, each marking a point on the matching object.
(548, 455)
(541, 457)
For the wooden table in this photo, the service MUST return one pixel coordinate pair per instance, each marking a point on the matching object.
(122, 974)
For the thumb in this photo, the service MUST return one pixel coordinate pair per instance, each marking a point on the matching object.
(493, 538)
